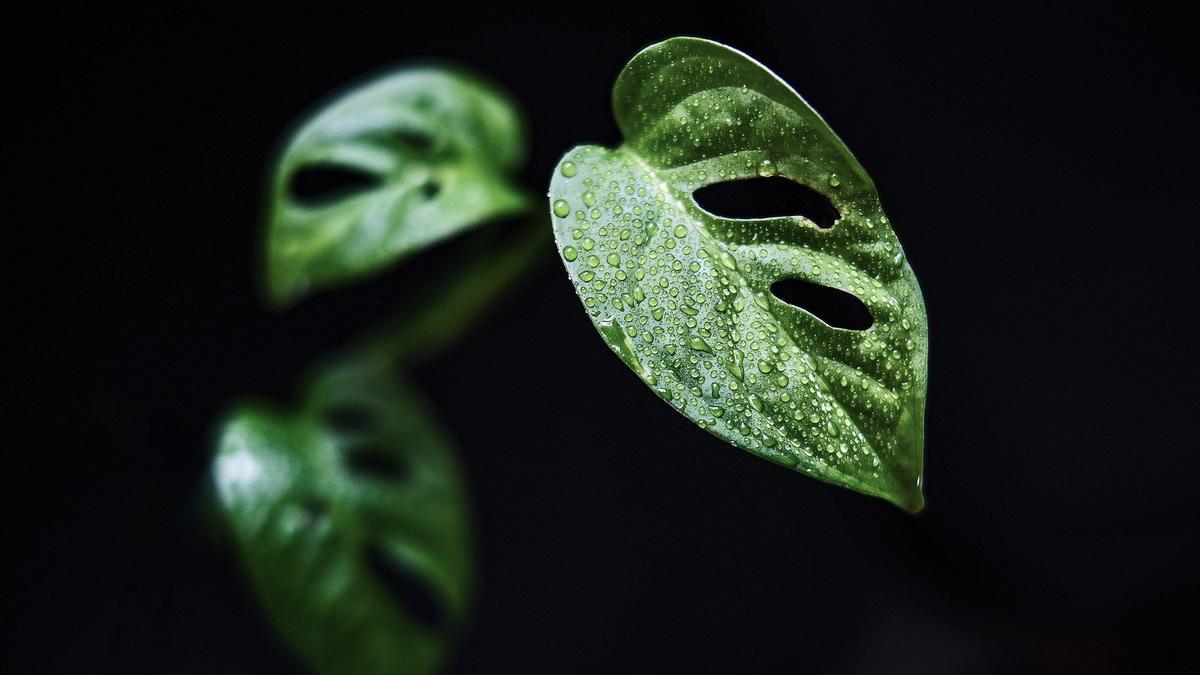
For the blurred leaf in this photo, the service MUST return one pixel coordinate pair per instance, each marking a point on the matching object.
(391, 167)
(685, 298)
(351, 520)
(488, 265)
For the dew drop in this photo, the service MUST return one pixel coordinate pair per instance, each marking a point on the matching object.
(568, 169)
(561, 208)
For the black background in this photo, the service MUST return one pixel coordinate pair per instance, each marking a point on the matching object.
(1037, 164)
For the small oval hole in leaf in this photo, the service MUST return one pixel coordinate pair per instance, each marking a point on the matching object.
(415, 139)
(430, 189)
(349, 419)
(767, 198)
(407, 588)
(314, 510)
(322, 184)
(375, 461)
(831, 305)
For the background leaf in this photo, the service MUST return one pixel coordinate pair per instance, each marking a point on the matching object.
(685, 298)
(351, 520)
(394, 165)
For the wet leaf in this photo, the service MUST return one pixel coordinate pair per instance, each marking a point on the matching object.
(391, 167)
(350, 518)
(685, 298)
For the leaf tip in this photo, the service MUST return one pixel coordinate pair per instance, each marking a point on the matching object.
(911, 500)
(281, 287)
(908, 492)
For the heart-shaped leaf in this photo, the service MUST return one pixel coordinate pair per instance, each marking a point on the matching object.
(351, 521)
(391, 167)
(685, 298)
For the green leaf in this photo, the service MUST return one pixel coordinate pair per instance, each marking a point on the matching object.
(350, 518)
(391, 167)
(684, 296)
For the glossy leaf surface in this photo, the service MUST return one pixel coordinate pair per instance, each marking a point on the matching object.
(351, 521)
(684, 296)
(393, 166)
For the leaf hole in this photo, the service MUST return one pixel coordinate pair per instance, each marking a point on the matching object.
(415, 139)
(831, 305)
(349, 419)
(770, 197)
(377, 461)
(314, 510)
(321, 184)
(407, 588)
(430, 189)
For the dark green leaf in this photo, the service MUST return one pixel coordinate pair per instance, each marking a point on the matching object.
(350, 517)
(685, 298)
(393, 166)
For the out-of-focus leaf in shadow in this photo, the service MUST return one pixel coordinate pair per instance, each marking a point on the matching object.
(350, 517)
(488, 264)
(391, 167)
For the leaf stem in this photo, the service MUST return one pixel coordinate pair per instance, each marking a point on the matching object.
(449, 306)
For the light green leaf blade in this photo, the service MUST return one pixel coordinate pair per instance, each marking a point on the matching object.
(400, 163)
(684, 296)
(350, 518)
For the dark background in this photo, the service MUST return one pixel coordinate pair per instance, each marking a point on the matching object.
(1037, 163)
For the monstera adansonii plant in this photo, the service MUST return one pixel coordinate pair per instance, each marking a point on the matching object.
(348, 510)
